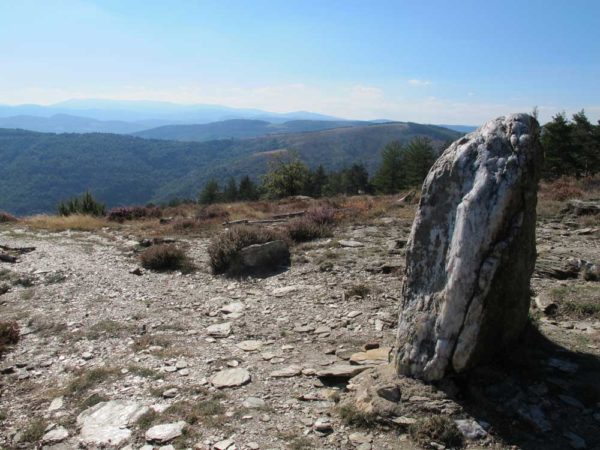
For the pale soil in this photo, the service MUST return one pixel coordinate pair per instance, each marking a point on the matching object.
(83, 298)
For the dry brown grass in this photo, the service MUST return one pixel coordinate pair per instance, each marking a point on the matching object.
(76, 222)
(553, 195)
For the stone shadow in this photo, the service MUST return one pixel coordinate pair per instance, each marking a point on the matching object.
(539, 395)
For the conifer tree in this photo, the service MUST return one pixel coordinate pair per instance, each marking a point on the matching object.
(247, 190)
(391, 175)
(210, 193)
(230, 194)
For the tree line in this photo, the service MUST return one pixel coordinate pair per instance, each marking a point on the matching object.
(572, 147)
(402, 166)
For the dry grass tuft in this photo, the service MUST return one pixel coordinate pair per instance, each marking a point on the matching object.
(9, 335)
(440, 429)
(351, 415)
(86, 380)
(166, 257)
(76, 222)
(224, 248)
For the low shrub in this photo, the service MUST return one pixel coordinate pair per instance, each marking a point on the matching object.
(165, 257)
(440, 429)
(316, 223)
(9, 335)
(358, 290)
(322, 215)
(6, 217)
(186, 224)
(212, 212)
(225, 247)
(351, 415)
(303, 229)
(85, 204)
(124, 213)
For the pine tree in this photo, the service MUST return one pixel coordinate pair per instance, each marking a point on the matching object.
(317, 182)
(247, 190)
(419, 156)
(210, 193)
(560, 154)
(585, 144)
(356, 180)
(85, 204)
(391, 175)
(230, 194)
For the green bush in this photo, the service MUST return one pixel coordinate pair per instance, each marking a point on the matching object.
(165, 257)
(85, 204)
(225, 247)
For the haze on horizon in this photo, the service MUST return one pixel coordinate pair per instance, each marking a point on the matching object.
(432, 62)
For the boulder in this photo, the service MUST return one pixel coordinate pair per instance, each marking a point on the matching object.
(471, 251)
(260, 259)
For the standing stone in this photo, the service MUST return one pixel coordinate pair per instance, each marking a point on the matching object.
(471, 251)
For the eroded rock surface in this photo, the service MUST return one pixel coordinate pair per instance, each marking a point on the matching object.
(471, 251)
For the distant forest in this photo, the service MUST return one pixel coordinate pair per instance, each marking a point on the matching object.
(39, 170)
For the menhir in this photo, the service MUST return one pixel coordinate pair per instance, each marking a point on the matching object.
(471, 251)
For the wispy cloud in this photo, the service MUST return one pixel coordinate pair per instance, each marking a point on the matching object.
(418, 82)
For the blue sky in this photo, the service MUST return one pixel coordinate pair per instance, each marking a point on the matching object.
(428, 61)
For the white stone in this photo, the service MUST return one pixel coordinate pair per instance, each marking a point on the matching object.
(235, 307)
(55, 435)
(230, 378)
(471, 251)
(56, 404)
(351, 244)
(254, 403)
(249, 346)
(105, 424)
(219, 330)
(165, 432)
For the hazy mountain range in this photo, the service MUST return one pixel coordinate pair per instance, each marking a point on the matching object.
(37, 170)
(141, 117)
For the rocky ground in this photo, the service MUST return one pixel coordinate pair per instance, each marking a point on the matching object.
(108, 357)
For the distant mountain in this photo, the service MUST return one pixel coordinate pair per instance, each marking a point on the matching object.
(37, 170)
(241, 128)
(460, 128)
(135, 111)
(66, 123)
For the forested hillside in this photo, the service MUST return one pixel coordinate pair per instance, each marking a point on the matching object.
(37, 170)
(241, 128)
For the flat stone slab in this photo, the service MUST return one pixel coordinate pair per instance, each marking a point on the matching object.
(165, 432)
(372, 357)
(249, 346)
(351, 244)
(55, 435)
(230, 378)
(341, 371)
(219, 330)
(105, 424)
(287, 372)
